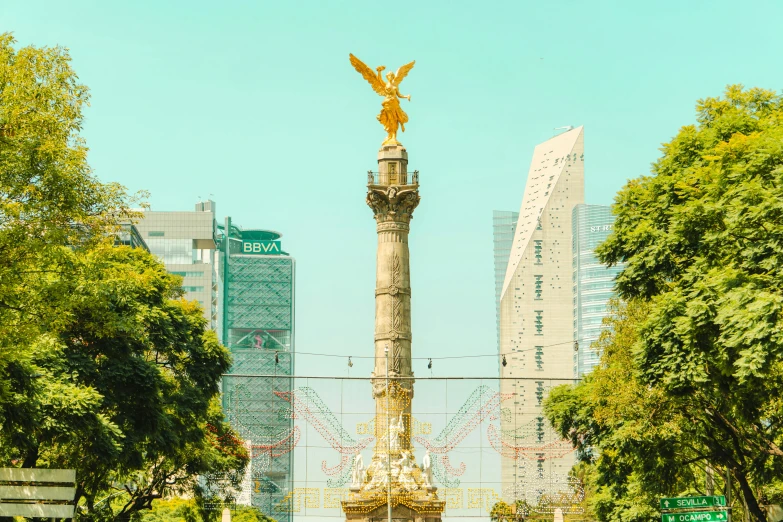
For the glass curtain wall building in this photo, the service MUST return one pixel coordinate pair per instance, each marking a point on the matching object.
(593, 282)
(504, 224)
(129, 235)
(185, 242)
(258, 327)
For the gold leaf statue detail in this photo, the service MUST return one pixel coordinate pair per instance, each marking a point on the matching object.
(392, 116)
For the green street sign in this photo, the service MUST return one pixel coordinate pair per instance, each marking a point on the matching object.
(693, 502)
(698, 516)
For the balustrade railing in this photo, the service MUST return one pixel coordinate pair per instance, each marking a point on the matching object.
(392, 178)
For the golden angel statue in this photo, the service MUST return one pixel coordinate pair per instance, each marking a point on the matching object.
(392, 115)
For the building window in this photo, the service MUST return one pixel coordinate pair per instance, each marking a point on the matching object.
(538, 226)
(538, 246)
(539, 284)
(539, 322)
(540, 428)
(188, 274)
(540, 462)
(193, 288)
(540, 358)
(539, 392)
(155, 233)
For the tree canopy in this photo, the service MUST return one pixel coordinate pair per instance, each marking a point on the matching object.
(104, 367)
(698, 344)
(187, 510)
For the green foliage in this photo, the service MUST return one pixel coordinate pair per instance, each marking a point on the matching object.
(636, 443)
(103, 366)
(501, 512)
(186, 510)
(172, 510)
(692, 374)
(249, 514)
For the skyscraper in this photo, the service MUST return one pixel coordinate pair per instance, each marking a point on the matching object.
(245, 283)
(504, 223)
(185, 242)
(593, 281)
(257, 308)
(536, 306)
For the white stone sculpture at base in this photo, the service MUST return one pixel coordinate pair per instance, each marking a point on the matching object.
(405, 477)
(379, 472)
(358, 471)
(395, 429)
(558, 515)
(426, 469)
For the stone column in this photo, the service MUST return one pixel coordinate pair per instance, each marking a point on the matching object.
(392, 194)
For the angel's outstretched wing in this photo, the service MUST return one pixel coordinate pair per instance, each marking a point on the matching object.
(402, 72)
(365, 71)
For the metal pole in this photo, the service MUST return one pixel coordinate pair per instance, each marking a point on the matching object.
(388, 441)
(728, 494)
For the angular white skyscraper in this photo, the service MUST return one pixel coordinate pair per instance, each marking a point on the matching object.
(536, 321)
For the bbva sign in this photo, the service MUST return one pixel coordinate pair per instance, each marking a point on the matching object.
(261, 247)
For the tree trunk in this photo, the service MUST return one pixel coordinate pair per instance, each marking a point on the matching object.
(754, 510)
(31, 458)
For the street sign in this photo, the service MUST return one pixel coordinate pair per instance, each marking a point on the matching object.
(696, 516)
(693, 502)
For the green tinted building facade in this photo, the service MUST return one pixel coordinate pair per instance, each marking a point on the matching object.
(257, 325)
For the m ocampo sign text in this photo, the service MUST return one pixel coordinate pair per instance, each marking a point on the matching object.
(260, 247)
(699, 516)
(693, 502)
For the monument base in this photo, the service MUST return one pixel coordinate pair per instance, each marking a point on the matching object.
(425, 508)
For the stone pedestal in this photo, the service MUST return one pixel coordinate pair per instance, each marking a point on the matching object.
(393, 195)
(399, 514)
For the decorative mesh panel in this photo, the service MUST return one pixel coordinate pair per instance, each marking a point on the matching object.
(260, 293)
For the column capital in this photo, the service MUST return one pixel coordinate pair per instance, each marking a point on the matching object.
(393, 205)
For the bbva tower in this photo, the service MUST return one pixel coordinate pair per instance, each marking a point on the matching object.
(536, 319)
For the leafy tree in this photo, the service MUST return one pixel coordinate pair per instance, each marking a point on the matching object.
(186, 510)
(628, 435)
(103, 366)
(128, 393)
(501, 512)
(172, 510)
(249, 514)
(46, 188)
(702, 242)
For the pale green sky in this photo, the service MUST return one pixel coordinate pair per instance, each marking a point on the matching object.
(256, 104)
